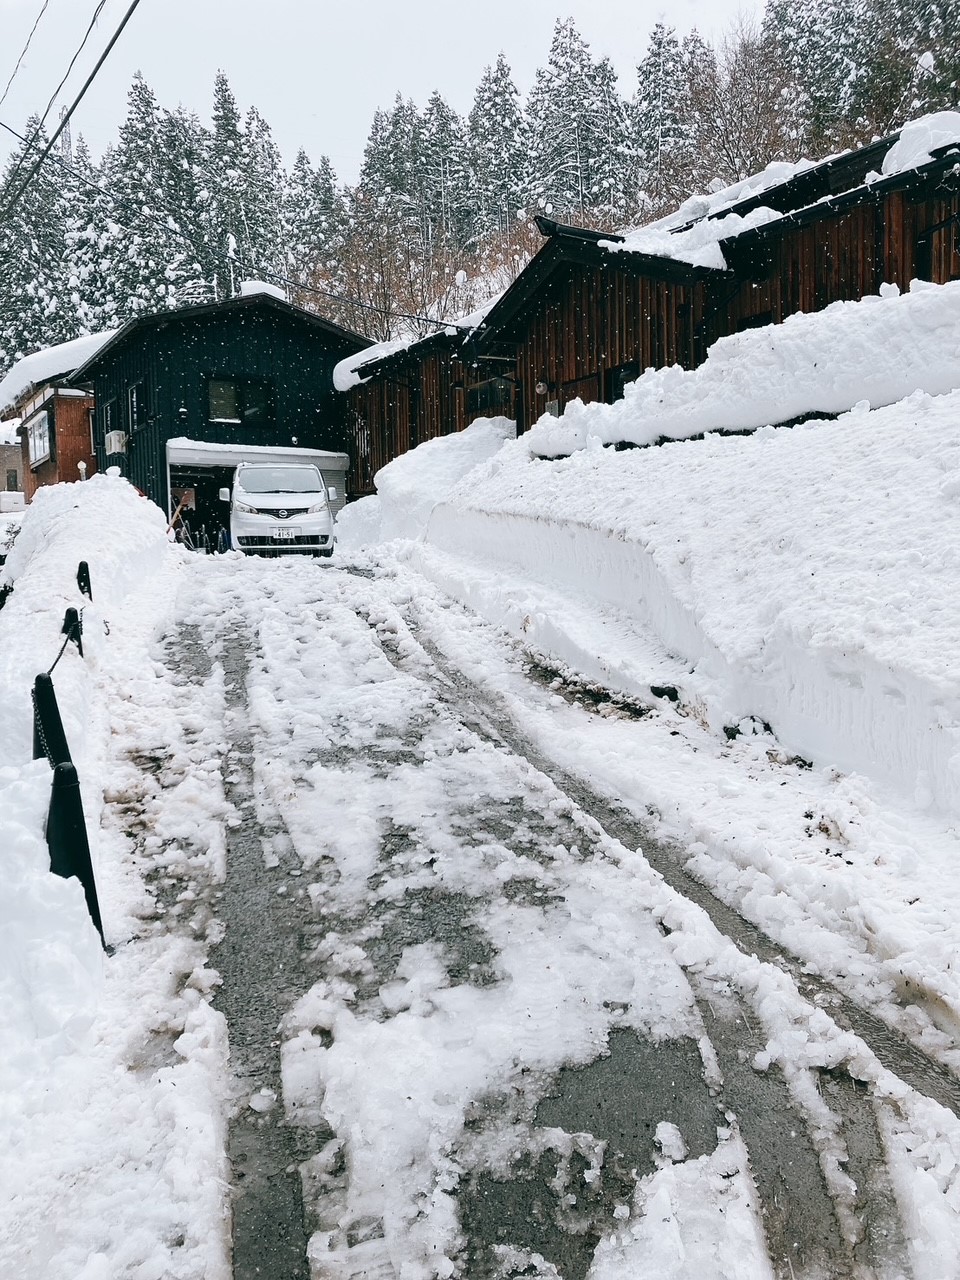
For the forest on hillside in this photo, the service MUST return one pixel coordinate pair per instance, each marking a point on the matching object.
(177, 211)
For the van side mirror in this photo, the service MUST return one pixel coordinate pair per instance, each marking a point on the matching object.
(332, 495)
(224, 495)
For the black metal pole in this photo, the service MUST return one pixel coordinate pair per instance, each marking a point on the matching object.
(83, 579)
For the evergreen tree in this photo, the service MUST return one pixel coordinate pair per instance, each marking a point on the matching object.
(35, 305)
(262, 186)
(145, 263)
(657, 120)
(578, 131)
(314, 219)
(223, 179)
(445, 178)
(497, 152)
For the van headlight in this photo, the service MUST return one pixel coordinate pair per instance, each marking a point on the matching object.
(316, 508)
(243, 508)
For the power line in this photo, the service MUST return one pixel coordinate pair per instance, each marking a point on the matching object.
(23, 51)
(65, 119)
(39, 129)
(262, 273)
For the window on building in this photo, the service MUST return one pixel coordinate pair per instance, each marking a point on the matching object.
(109, 415)
(38, 437)
(243, 401)
(13, 481)
(490, 398)
(136, 406)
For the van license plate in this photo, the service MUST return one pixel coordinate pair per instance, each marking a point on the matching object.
(286, 535)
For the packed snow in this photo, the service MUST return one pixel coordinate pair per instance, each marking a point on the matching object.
(112, 1072)
(50, 362)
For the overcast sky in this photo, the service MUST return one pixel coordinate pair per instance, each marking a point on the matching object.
(316, 71)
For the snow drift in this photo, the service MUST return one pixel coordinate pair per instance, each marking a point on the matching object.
(803, 576)
(879, 349)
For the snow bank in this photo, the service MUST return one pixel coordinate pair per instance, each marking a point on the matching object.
(409, 487)
(112, 1160)
(879, 349)
(49, 952)
(806, 576)
(51, 362)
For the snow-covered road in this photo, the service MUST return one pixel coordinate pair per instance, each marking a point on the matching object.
(474, 1030)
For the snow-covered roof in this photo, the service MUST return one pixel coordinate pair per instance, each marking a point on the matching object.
(919, 139)
(694, 232)
(348, 373)
(182, 451)
(250, 288)
(8, 431)
(48, 364)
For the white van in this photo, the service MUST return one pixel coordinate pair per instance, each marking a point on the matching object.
(281, 508)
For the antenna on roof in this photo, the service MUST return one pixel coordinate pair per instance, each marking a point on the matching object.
(66, 140)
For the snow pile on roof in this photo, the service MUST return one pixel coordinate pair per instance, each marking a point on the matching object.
(919, 139)
(349, 372)
(879, 349)
(251, 288)
(8, 431)
(52, 362)
(692, 232)
(410, 486)
(346, 373)
(110, 1160)
(697, 245)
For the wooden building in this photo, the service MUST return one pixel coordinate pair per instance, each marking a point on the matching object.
(591, 311)
(55, 412)
(432, 387)
(250, 373)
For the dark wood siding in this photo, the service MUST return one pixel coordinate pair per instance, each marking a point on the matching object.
(171, 360)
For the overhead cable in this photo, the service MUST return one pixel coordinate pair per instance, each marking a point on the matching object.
(23, 51)
(65, 118)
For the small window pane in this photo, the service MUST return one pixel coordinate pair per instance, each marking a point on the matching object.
(38, 438)
(224, 401)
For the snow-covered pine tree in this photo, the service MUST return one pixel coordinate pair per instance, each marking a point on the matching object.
(223, 180)
(89, 227)
(314, 227)
(657, 122)
(262, 186)
(183, 146)
(817, 46)
(448, 207)
(35, 305)
(496, 146)
(577, 130)
(145, 263)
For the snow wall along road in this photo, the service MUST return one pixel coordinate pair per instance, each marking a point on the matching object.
(803, 576)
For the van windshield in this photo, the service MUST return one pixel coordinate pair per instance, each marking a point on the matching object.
(280, 480)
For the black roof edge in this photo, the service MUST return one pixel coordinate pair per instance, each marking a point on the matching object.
(211, 308)
(863, 193)
(547, 227)
(442, 337)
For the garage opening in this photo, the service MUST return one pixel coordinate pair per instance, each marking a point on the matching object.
(197, 471)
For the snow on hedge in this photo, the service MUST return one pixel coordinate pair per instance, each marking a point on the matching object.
(879, 349)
